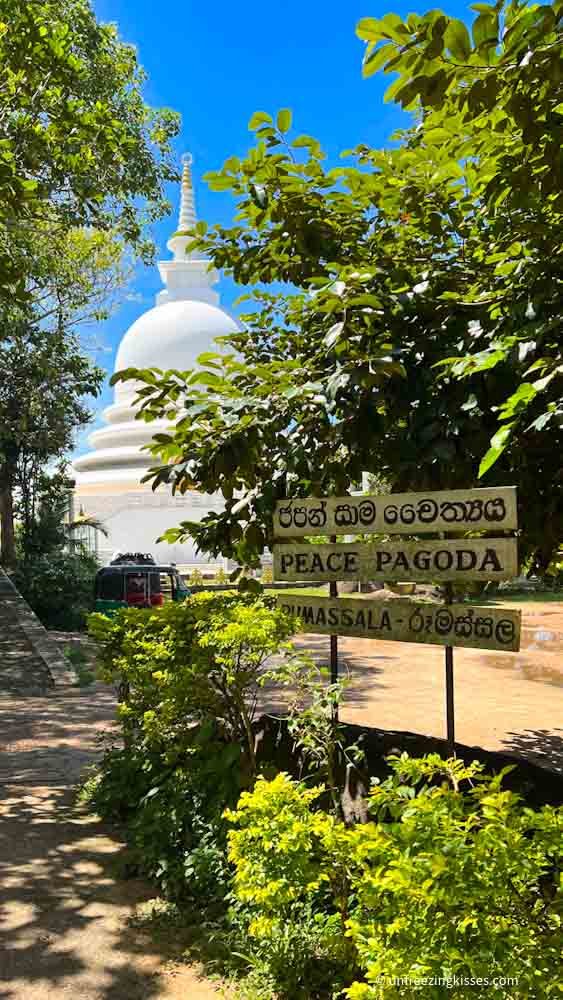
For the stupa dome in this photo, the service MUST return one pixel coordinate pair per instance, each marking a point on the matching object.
(172, 335)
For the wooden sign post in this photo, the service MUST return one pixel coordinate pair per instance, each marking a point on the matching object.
(445, 561)
(407, 620)
(333, 591)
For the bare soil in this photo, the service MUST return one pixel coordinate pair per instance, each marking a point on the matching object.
(503, 701)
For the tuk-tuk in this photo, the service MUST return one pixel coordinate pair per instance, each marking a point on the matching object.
(134, 580)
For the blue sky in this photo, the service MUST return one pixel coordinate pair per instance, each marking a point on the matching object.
(218, 62)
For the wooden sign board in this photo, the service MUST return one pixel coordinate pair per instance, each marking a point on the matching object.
(407, 621)
(467, 559)
(493, 508)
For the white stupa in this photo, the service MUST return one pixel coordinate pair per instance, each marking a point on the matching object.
(182, 325)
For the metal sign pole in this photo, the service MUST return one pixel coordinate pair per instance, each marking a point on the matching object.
(450, 709)
(333, 592)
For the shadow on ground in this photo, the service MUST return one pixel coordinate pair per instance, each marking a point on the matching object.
(539, 745)
(64, 906)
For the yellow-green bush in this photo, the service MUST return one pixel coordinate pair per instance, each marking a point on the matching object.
(198, 662)
(454, 885)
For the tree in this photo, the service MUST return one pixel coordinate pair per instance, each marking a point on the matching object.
(77, 276)
(401, 266)
(44, 378)
(493, 115)
(43, 514)
(55, 572)
(78, 144)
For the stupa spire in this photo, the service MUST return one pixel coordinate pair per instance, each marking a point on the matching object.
(187, 217)
(188, 275)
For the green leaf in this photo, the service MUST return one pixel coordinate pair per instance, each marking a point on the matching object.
(518, 400)
(499, 441)
(284, 120)
(542, 383)
(485, 30)
(392, 91)
(540, 422)
(259, 118)
(333, 334)
(376, 59)
(217, 182)
(392, 27)
(456, 38)
(307, 142)
(369, 29)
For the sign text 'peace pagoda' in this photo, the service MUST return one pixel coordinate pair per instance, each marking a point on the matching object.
(467, 559)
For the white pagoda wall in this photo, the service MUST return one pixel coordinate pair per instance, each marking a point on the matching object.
(135, 518)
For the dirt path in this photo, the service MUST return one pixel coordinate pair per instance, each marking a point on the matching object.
(503, 701)
(63, 910)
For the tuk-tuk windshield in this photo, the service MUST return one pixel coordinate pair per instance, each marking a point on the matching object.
(140, 586)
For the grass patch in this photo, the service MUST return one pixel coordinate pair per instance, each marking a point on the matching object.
(547, 597)
(300, 592)
(526, 597)
(80, 664)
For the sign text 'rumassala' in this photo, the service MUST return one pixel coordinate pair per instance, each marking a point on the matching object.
(407, 621)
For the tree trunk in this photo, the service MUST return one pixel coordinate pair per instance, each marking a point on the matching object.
(543, 556)
(7, 537)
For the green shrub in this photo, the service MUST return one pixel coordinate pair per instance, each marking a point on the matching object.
(456, 882)
(291, 885)
(80, 664)
(454, 878)
(191, 673)
(195, 663)
(312, 721)
(173, 815)
(59, 587)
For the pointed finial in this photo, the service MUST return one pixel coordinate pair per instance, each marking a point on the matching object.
(187, 217)
(186, 269)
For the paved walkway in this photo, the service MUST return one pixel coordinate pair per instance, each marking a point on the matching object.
(63, 912)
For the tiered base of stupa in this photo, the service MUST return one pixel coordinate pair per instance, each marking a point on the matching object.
(134, 517)
(109, 488)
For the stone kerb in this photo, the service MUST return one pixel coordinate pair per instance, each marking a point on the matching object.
(44, 666)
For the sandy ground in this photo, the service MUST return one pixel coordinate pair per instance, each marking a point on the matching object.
(63, 908)
(503, 701)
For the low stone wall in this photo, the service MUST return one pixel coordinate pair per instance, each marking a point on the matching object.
(30, 661)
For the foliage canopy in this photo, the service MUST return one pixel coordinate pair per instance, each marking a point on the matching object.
(424, 298)
(78, 144)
